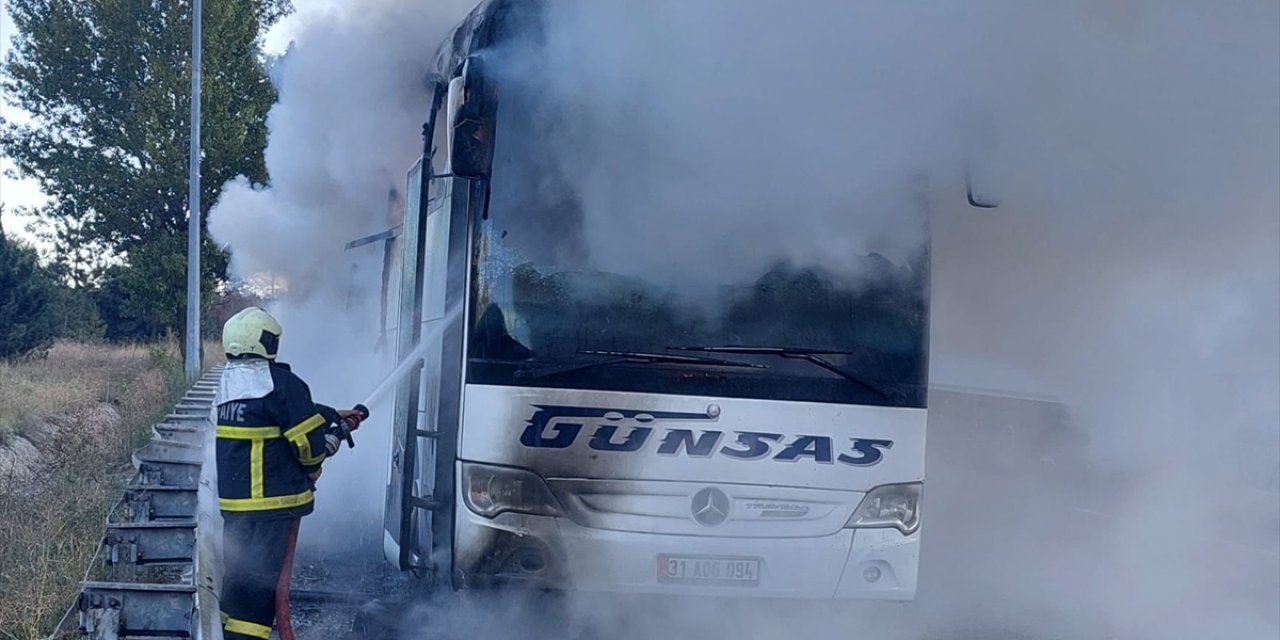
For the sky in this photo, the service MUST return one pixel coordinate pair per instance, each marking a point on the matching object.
(15, 193)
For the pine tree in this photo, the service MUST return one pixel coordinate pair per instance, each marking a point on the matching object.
(25, 322)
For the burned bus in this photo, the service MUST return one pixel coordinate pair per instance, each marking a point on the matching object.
(573, 428)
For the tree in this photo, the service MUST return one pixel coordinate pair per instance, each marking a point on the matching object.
(107, 83)
(74, 311)
(25, 292)
(118, 310)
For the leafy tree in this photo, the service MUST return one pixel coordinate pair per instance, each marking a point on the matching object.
(136, 297)
(25, 323)
(108, 85)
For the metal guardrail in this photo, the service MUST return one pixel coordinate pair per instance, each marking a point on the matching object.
(142, 582)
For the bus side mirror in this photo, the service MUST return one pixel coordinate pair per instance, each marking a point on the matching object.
(473, 106)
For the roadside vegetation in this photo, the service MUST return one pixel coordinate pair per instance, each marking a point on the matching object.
(68, 422)
(93, 278)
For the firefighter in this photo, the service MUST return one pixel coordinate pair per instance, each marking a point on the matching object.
(271, 441)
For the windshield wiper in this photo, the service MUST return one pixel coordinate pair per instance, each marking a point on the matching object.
(632, 357)
(813, 356)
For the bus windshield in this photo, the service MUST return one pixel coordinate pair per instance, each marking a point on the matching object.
(545, 313)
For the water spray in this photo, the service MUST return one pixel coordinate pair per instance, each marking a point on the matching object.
(410, 361)
(361, 410)
(403, 369)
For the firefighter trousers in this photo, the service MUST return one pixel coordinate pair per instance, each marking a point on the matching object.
(254, 552)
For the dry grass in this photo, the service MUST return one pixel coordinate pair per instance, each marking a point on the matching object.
(71, 378)
(213, 355)
(87, 407)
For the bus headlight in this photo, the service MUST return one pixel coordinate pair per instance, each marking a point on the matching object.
(489, 491)
(889, 505)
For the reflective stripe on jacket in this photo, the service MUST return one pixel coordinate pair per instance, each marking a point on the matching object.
(267, 446)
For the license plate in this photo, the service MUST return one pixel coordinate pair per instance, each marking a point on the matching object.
(715, 570)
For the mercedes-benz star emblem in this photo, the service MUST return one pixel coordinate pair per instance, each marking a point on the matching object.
(710, 507)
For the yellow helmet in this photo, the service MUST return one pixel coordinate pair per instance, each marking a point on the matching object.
(252, 332)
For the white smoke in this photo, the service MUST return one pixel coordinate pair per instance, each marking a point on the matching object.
(346, 128)
(1133, 268)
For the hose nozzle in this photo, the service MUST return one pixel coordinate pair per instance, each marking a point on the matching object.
(362, 414)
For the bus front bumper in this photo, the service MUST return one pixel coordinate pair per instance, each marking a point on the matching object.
(556, 553)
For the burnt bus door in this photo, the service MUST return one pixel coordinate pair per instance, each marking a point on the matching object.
(418, 514)
(412, 503)
(398, 520)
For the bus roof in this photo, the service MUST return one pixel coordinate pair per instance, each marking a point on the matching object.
(490, 22)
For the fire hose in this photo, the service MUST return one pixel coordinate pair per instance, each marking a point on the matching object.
(284, 623)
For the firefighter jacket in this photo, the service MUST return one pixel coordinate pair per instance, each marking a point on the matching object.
(270, 437)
